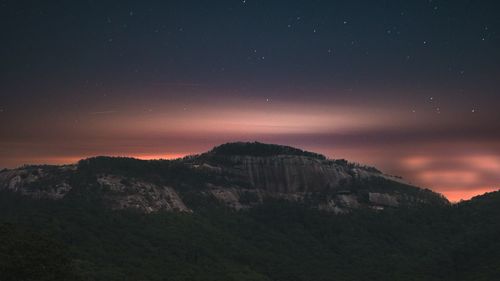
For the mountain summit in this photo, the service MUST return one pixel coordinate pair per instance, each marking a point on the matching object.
(238, 175)
(259, 149)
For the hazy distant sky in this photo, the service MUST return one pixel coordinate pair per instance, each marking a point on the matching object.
(411, 87)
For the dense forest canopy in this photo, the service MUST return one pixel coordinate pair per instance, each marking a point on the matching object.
(277, 241)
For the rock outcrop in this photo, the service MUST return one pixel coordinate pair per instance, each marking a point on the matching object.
(282, 173)
(124, 193)
(50, 182)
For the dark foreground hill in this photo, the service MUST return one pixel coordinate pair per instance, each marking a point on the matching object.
(239, 212)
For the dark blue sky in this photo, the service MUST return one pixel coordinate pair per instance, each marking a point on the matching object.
(446, 45)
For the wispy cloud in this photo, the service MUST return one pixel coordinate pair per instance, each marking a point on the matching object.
(102, 112)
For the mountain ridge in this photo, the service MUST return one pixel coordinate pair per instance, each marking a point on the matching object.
(238, 175)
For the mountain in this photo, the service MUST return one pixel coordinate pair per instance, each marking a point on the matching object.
(238, 175)
(242, 211)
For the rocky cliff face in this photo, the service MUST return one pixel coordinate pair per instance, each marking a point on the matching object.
(283, 173)
(120, 192)
(240, 175)
(49, 182)
(125, 193)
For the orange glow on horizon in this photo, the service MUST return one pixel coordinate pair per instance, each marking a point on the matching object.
(166, 156)
(455, 196)
(457, 177)
(449, 177)
(417, 162)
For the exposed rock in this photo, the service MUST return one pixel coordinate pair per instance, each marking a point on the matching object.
(126, 193)
(383, 199)
(331, 206)
(348, 201)
(49, 182)
(282, 173)
(228, 196)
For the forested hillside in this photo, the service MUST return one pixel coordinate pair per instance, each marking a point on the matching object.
(276, 241)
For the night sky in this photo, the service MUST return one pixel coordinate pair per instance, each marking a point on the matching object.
(411, 87)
